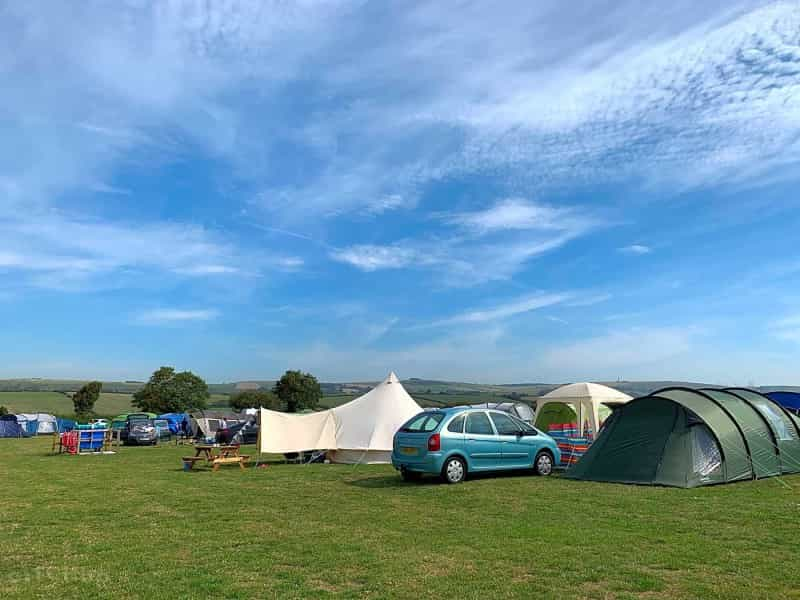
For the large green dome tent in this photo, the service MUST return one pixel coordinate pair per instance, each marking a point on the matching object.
(687, 438)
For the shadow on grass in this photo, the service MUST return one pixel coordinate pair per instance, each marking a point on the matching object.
(395, 481)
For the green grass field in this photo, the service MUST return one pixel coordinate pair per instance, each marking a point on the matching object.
(108, 405)
(56, 403)
(134, 525)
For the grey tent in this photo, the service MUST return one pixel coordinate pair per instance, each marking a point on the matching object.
(687, 438)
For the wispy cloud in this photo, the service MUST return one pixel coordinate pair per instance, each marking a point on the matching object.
(506, 310)
(368, 257)
(85, 249)
(515, 214)
(590, 299)
(176, 315)
(483, 245)
(636, 249)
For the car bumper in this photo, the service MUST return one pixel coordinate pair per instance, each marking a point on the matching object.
(430, 463)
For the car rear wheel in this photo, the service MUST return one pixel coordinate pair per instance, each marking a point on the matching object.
(454, 470)
(543, 464)
(410, 475)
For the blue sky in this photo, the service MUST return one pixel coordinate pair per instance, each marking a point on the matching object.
(448, 189)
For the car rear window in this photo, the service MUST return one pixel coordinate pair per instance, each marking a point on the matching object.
(423, 422)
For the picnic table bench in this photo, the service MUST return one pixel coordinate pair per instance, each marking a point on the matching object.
(215, 456)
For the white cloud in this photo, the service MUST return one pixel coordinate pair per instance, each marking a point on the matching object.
(506, 310)
(176, 315)
(61, 249)
(590, 300)
(486, 245)
(637, 249)
(368, 257)
(208, 270)
(515, 213)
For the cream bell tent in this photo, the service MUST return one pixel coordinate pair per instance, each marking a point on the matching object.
(361, 431)
(588, 400)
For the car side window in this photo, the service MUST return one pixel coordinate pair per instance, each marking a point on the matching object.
(456, 425)
(504, 424)
(478, 423)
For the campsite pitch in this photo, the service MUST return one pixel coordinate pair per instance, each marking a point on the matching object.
(135, 525)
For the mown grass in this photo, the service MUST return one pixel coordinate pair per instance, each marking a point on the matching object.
(133, 525)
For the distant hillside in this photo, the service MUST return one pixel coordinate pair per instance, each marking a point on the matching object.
(428, 392)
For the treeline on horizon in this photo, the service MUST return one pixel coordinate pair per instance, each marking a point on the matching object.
(427, 389)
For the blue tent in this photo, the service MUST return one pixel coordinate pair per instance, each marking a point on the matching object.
(65, 424)
(790, 400)
(178, 422)
(9, 428)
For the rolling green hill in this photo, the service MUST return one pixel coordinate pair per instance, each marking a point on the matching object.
(53, 395)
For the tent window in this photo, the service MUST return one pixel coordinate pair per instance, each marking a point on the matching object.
(783, 429)
(213, 425)
(706, 456)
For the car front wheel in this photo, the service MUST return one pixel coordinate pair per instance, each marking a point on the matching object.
(454, 470)
(543, 464)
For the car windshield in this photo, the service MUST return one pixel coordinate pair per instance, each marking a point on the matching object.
(423, 422)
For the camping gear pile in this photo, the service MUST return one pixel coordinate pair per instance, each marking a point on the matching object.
(571, 445)
(88, 438)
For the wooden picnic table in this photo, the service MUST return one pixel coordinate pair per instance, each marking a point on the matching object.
(216, 455)
(208, 451)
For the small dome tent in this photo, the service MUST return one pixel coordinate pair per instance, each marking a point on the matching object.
(587, 400)
(687, 438)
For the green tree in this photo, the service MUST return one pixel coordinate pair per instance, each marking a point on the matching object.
(168, 391)
(297, 390)
(3, 410)
(84, 399)
(253, 399)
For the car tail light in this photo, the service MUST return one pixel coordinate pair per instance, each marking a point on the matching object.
(434, 442)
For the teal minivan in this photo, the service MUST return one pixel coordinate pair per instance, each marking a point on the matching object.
(453, 442)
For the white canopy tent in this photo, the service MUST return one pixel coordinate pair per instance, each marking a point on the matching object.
(587, 399)
(360, 431)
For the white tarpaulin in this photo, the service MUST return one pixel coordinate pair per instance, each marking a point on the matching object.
(362, 430)
(280, 433)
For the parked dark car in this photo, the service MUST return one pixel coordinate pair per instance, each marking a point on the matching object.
(243, 432)
(141, 432)
(123, 424)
